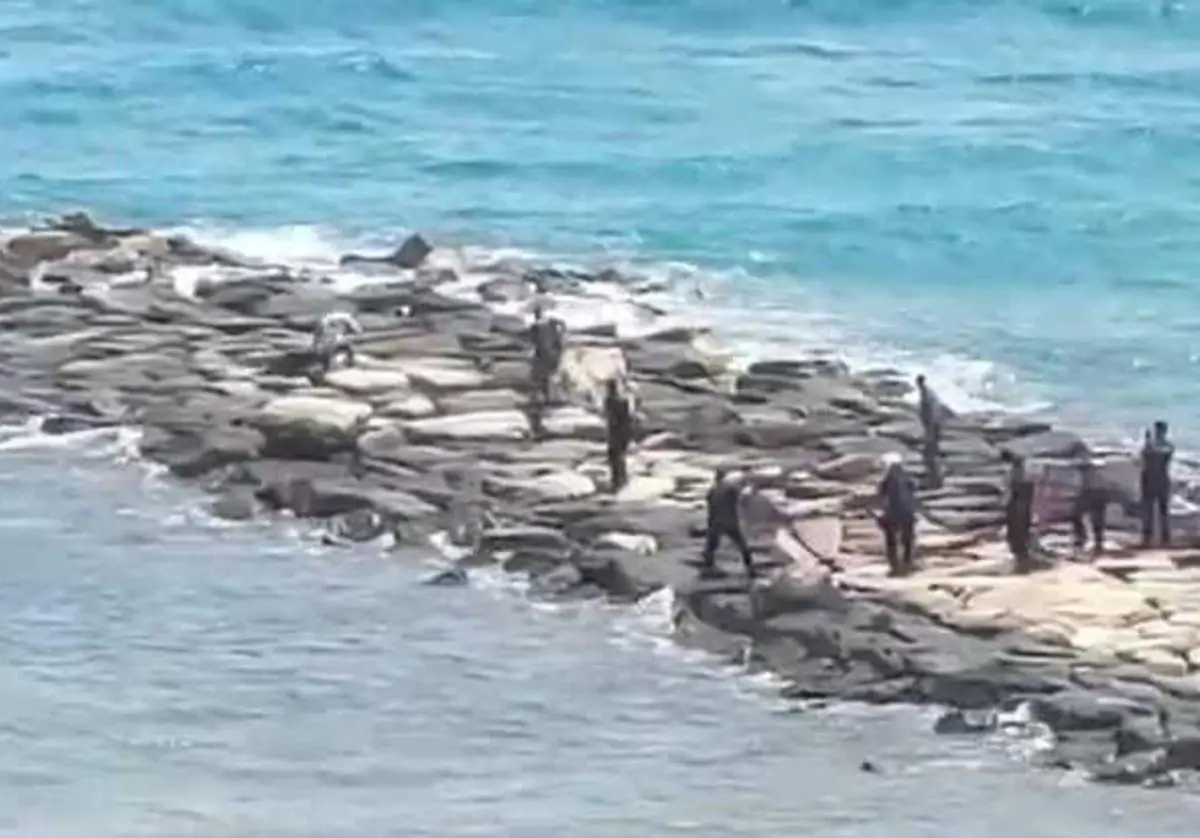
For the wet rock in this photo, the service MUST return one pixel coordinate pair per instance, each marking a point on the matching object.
(956, 722)
(451, 577)
(411, 254)
(193, 452)
(359, 526)
(1075, 710)
(234, 506)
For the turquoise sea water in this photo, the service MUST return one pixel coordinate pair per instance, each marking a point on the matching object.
(1012, 184)
(1002, 193)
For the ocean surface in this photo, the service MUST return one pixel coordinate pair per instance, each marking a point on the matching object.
(1005, 195)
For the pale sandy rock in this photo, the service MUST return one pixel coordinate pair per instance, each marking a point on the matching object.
(44, 246)
(440, 374)
(573, 422)
(367, 381)
(1157, 659)
(822, 536)
(647, 488)
(481, 426)
(792, 552)
(1070, 593)
(146, 244)
(555, 486)
(408, 406)
(639, 543)
(470, 401)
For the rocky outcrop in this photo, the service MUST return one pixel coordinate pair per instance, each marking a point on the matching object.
(433, 433)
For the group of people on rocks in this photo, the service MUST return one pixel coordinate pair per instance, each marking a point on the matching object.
(898, 502)
(1087, 507)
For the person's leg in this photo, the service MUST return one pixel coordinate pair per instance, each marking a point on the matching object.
(1163, 503)
(712, 539)
(735, 535)
(1099, 516)
(890, 546)
(908, 535)
(1147, 515)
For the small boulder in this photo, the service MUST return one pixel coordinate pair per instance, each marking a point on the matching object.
(310, 427)
(481, 426)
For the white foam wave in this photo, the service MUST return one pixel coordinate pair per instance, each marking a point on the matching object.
(688, 295)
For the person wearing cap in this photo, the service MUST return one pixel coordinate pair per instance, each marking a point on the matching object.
(1157, 452)
(1090, 503)
(724, 520)
(897, 516)
(547, 334)
(1018, 511)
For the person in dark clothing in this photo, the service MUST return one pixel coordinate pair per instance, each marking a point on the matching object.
(724, 521)
(1156, 484)
(547, 334)
(618, 421)
(930, 411)
(1091, 504)
(1018, 511)
(898, 515)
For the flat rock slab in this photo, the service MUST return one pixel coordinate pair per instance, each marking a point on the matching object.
(481, 426)
(440, 375)
(365, 381)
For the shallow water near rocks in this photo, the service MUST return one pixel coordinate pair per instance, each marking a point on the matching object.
(166, 676)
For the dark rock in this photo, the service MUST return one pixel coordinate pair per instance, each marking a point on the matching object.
(409, 255)
(234, 506)
(451, 577)
(192, 452)
(1076, 710)
(1048, 444)
(557, 583)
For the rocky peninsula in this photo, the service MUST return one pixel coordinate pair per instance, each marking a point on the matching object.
(431, 431)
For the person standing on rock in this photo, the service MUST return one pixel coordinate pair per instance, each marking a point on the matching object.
(1091, 504)
(548, 336)
(725, 521)
(898, 514)
(618, 422)
(1156, 484)
(1018, 511)
(333, 339)
(931, 413)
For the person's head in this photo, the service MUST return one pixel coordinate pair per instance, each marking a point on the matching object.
(1160, 429)
(720, 473)
(1011, 457)
(891, 460)
(612, 387)
(921, 382)
(537, 311)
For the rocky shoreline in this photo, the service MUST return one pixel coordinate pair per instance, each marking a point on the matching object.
(431, 432)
